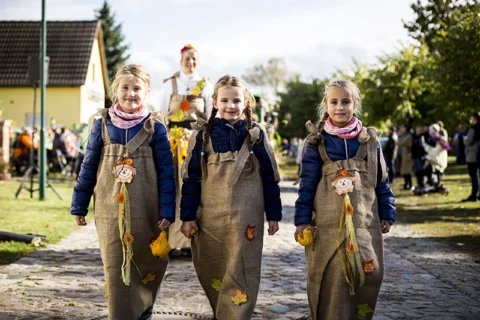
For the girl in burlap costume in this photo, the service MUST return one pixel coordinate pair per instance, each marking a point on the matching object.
(185, 97)
(230, 180)
(346, 201)
(128, 166)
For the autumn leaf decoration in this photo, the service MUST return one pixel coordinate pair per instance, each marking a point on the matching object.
(197, 90)
(250, 232)
(363, 309)
(185, 105)
(149, 277)
(216, 284)
(239, 297)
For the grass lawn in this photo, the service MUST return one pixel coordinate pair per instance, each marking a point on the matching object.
(434, 215)
(50, 217)
(287, 167)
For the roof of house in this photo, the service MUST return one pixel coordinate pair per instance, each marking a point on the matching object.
(69, 47)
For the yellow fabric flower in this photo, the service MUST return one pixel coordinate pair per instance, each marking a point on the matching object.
(121, 197)
(128, 239)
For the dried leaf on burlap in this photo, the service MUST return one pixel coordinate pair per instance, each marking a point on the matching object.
(148, 278)
(364, 309)
(216, 284)
(239, 297)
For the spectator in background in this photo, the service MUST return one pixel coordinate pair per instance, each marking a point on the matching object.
(405, 143)
(472, 145)
(437, 156)
(458, 137)
(293, 147)
(419, 156)
(443, 132)
(390, 152)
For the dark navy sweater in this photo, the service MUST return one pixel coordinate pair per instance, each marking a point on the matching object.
(162, 156)
(226, 137)
(311, 174)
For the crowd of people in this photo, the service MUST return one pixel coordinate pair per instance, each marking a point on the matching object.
(423, 153)
(65, 149)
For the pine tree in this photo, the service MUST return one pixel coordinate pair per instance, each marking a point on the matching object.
(113, 39)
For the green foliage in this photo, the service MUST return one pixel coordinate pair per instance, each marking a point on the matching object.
(298, 104)
(113, 39)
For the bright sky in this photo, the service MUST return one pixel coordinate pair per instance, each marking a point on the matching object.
(314, 36)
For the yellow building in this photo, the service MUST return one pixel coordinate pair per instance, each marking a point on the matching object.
(77, 71)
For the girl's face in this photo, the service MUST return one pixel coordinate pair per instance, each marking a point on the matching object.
(230, 103)
(131, 93)
(189, 61)
(340, 106)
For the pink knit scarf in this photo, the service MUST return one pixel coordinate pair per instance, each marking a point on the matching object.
(126, 120)
(351, 130)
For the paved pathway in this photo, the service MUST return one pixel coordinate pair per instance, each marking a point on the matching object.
(65, 281)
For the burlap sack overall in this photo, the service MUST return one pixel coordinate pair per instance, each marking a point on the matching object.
(129, 302)
(197, 104)
(328, 291)
(226, 256)
(176, 239)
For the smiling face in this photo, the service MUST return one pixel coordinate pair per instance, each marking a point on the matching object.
(340, 106)
(131, 93)
(189, 61)
(230, 103)
(124, 173)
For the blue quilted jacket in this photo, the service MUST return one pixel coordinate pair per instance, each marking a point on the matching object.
(311, 173)
(226, 137)
(162, 157)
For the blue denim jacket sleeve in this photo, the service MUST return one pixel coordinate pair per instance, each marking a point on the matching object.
(87, 178)
(162, 157)
(385, 197)
(310, 175)
(271, 189)
(192, 187)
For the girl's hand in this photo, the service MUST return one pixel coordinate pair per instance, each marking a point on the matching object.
(272, 227)
(299, 231)
(187, 227)
(80, 220)
(385, 226)
(163, 224)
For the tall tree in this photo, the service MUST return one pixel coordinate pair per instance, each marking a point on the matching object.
(116, 50)
(434, 17)
(298, 104)
(270, 78)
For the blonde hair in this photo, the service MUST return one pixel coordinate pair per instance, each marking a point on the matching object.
(128, 70)
(354, 92)
(231, 82)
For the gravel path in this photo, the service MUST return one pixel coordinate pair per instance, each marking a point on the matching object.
(424, 280)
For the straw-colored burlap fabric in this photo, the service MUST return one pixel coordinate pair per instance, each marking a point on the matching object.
(328, 291)
(197, 104)
(227, 257)
(176, 239)
(129, 302)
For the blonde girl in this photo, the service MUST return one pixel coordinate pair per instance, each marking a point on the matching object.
(128, 166)
(230, 180)
(345, 200)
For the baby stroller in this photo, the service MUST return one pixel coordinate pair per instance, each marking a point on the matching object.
(435, 163)
(435, 187)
